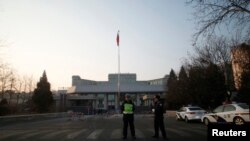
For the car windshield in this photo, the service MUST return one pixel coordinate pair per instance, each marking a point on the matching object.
(243, 106)
(194, 109)
(218, 109)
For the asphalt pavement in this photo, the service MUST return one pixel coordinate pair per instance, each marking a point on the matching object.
(100, 128)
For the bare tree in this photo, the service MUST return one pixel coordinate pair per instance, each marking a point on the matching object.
(213, 14)
(18, 88)
(24, 95)
(12, 85)
(24, 88)
(6, 74)
(31, 85)
(216, 51)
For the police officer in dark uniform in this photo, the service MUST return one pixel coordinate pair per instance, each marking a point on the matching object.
(128, 109)
(159, 118)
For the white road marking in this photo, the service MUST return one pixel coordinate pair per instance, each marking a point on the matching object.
(116, 134)
(13, 133)
(75, 134)
(53, 134)
(34, 134)
(95, 134)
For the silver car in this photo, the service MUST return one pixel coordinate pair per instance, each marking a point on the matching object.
(237, 113)
(190, 113)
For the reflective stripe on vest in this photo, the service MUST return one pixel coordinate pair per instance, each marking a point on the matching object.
(128, 108)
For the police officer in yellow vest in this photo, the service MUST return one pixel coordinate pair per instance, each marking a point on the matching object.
(128, 109)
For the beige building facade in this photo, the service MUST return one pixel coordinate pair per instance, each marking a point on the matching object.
(90, 96)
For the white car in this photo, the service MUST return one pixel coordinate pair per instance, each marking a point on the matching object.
(190, 113)
(237, 113)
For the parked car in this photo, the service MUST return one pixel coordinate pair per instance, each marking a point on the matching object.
(189, 113)
(237, 113)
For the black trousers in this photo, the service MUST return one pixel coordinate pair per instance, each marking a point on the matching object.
(159, 124)
(128, 119)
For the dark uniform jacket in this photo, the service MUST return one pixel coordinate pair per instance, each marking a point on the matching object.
(159, 110)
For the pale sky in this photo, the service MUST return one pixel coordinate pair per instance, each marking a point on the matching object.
(78, 37)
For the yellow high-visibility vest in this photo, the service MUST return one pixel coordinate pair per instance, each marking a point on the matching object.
(128, 108)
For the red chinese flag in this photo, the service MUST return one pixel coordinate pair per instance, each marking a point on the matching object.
(117, 39)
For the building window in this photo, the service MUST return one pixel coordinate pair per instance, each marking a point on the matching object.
(100, 100)
(100, 96)
(111, 101)
(100, 103)
(111, 97)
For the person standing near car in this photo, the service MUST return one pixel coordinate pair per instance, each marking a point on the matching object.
(159, 118)
(128, 109)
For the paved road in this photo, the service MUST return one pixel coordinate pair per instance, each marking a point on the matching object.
(98, 128)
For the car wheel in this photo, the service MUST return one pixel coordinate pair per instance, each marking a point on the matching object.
(206, 121)
(238, 121)
(186, 120)
(177, 118)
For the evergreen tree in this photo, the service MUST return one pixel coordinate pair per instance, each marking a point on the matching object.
(171, 90)
(196, 84)
(42, 97)
(183, 91)
(215, 85)
(206, 86)
(172, 78)
(183, 75)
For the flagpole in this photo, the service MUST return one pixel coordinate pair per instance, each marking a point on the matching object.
(118, 82)
(118, 85)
